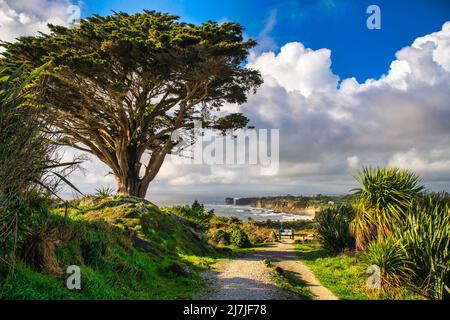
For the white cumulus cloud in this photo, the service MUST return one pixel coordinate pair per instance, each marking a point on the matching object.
(28, 17)
(330, 127)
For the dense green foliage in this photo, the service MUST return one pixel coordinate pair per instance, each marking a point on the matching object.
(425, 234)
(29, 166)
(22, 152)
(239, 238)
(194, 213)
(333, 228)
(404, 231)
(225, 231)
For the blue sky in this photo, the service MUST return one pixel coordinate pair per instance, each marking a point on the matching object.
(339, 25)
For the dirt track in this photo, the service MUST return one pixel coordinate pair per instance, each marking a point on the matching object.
(247, 278)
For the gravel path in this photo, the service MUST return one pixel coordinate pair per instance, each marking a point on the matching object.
(247, 278)
(287, 259)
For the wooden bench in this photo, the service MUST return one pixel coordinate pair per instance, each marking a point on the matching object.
(287, 232)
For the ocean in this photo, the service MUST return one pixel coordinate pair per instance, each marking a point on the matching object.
(257, 214)
(221, 209)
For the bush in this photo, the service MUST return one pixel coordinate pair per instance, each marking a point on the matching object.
(389, 256)
(219, 222)
(258, 233)
(218, 236)
(194, 213)
(239, 238)
(104, 192)
(425, 234)
(333, 228)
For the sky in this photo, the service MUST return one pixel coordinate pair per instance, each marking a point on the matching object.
(341, 95)
(335, 24)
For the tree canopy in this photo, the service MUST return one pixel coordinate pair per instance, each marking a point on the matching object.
(119, 85)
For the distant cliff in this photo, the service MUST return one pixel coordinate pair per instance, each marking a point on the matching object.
(297, 205)
(291, 204)
(240, 201)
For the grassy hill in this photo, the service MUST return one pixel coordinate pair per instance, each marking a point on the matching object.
(126, 248)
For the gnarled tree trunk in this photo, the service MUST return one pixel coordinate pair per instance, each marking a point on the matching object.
(128, 177)
(132, 186)
(129, 186)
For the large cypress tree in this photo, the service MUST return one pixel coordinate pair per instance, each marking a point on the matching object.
(119, 85)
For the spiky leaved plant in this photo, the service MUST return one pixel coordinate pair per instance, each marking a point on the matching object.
(425, 235)
(381, 202)
(333, 228)
(21, 151)
(28, 162)
(390, 257)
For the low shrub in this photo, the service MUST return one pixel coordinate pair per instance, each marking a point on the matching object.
(258, 233)
(239, 238)
(230, 230)
(218, 236)
(219, 222)
(194, 213)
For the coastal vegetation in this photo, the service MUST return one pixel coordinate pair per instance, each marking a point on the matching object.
(126, 248)
(345, 274)
(393, 225)
(30, 168)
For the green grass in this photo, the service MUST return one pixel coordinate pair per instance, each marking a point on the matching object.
(288, 282)
(343, 275)
(96, 237)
